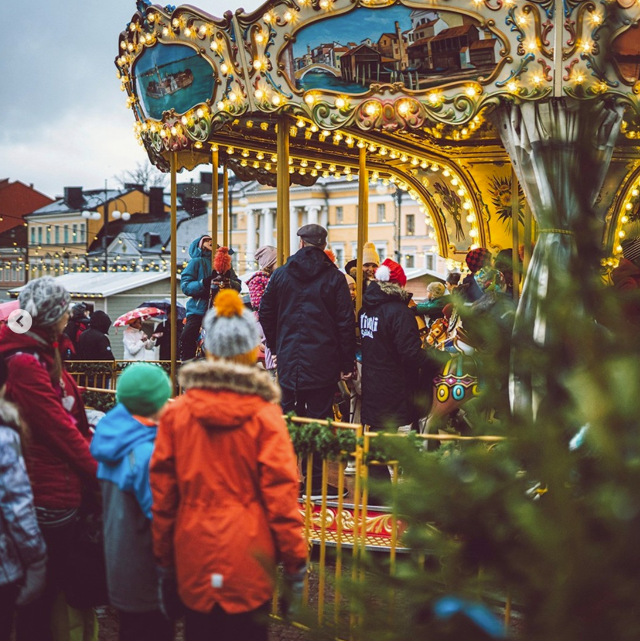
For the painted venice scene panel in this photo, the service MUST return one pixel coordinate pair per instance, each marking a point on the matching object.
(172, 77)
(421, 48)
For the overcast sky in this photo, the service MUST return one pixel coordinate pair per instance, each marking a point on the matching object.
(65, 118)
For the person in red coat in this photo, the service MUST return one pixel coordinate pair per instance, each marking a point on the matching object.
(59, 462)
(224, 481)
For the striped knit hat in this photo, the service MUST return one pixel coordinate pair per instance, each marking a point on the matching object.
(631, 249)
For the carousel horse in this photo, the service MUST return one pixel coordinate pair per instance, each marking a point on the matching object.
(422, 325)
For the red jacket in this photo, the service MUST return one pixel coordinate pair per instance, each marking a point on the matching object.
(58, 457)
(224, 481)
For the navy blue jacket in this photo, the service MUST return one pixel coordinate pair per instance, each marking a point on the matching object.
(307, 317)
(392, 356)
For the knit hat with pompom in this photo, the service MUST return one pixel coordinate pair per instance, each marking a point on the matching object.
(230, 328)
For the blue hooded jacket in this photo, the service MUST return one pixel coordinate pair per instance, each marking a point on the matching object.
(123, 447)
(199, 267)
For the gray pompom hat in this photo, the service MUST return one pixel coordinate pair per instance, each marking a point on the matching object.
(45, 300)
(230, 328)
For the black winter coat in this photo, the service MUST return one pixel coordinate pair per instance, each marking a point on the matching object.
(94, 344)
(392, 356)
(307, 317)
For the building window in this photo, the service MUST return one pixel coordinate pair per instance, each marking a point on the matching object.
(66, 234)
(57, 235)
(411, 224)
(14, 272)
(75, 233)
(234, 221)
(429, 260)
(339, 215)
(410, 261)
(39, 235)
(381, 212)
(382, 251)
(33, 235)
(49, 235)
(339, 252)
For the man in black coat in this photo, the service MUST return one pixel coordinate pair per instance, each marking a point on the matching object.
(78, 323)
(307, 317)
(94, 344)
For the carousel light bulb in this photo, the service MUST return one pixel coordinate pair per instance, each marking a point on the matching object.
(184, 120)
(512, 86)
(267, 166)
(340, 103)
(313, 128)
(259, 94)
(372, 147)
(586, 46)
(434, 167)
(624, 219)
(454, 181)
(424, 164)
(260, 155)
(214, 45)
(259, 37)
(257, 64)
(634, 193)
(267, 17)
(522, 20)
(414, 161)
(221, 105)
(274, 158)
(433, 98)
(470, 91)
(622, 233)
(596, 18)
(288, 16)
(200, 113)
(175, 23)
(165, 31)
(232, 96)
(202, 30)
(318, 165)
(628, 206)
(300, 123)
(187, 32)
(309, 99)
(224, 67)
(324, 4)
(174, 131)
(473, 233)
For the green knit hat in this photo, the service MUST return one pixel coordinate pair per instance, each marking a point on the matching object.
(143, 388)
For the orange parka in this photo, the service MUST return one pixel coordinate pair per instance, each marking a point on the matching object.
(225, 484)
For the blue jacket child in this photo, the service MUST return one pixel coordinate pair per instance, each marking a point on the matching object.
(123, 444)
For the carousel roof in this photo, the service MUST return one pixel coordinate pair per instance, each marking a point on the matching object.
(199, 85)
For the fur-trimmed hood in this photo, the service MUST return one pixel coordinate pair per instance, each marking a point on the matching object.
(225, 375)
(380, 292)
(229, 380)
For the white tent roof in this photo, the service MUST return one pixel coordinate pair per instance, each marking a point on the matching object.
(104, 284)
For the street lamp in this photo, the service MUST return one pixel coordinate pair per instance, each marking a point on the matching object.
(397, 199)
(96, 215)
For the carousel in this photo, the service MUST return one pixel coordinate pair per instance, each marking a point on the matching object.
(513, 123)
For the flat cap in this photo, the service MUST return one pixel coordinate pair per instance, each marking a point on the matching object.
(314, 234)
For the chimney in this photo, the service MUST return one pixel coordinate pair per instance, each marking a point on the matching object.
(134, 186)
(73, 197)
(156, 201)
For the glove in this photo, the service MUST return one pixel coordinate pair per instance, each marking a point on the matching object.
(206, 282)
(292, 589)
(34, 583)
(170, 604)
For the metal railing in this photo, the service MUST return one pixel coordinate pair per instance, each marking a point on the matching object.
(340, 533)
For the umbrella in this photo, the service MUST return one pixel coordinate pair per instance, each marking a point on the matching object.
(165, 306)
(144, 313)
(7, 308)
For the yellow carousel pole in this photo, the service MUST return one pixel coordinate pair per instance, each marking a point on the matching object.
(174, 269)
(225, 207)
(215, 186)
(363, 222)
(283, 215)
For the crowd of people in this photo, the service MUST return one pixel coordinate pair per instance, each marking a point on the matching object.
(197, 496)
